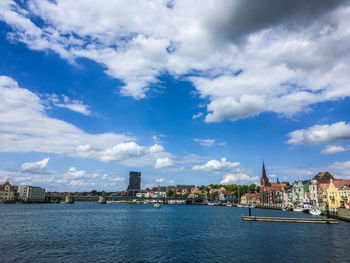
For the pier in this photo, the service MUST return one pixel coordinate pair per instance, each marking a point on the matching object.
(290, 220)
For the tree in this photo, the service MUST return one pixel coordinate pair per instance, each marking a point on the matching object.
(170, 193)
(287, 183)
(94, 192)
(252, 188)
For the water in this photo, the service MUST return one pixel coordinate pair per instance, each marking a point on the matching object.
(90, 232)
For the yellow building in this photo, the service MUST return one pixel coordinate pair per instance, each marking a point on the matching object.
(338, 194)
(8, 192)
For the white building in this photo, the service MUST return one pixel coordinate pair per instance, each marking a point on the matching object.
(313, 192)
(32, 193)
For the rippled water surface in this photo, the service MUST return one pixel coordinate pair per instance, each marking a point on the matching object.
(89, 232)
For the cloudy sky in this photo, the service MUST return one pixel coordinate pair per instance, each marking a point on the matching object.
(185, 91)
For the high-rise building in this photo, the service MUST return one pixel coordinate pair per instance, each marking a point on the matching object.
(134, 183)
(32, 193)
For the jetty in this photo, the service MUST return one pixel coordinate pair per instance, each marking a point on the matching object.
(290, 220)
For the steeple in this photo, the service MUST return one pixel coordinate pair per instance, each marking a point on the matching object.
(264, 181)
(263, 171)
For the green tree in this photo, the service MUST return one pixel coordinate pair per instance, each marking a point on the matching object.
(170, 193)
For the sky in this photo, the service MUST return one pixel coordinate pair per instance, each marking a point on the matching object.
(186, 92)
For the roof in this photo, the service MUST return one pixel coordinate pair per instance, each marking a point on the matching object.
(323, 177)
(12, 187)
(339, 184)
(251, 195)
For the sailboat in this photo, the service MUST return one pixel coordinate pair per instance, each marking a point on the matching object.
(157, 205)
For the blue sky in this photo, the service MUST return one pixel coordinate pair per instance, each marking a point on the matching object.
(185, 93)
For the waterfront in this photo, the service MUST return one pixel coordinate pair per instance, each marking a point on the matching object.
(89, 232)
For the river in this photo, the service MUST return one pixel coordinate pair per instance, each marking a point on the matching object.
(91, 232)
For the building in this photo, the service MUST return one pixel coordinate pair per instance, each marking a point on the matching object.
(134, 184)
(338, 194)
(315, 194)
(299, 191)
(32, 193)
(250, 198)
(8, 192)
(270, 193)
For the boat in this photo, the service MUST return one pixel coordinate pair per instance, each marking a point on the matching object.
(315, 211)
(298, 209)
(157, 204)
(307, 207)
(239, 205)
(210, 203)
(229, 204)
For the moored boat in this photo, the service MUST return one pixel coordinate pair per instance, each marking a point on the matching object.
(315, 211)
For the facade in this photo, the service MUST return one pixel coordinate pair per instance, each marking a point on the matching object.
(270, 193)
(338, 194)
(32, 193)
(299, 191)
(134, 184)
(313, 189)
(250, 198)
(8, 192)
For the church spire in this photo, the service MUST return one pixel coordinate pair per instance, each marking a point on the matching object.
(264, 181)
(263, 171)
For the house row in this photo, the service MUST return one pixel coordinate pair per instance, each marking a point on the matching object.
(323, 190)
(9, 193)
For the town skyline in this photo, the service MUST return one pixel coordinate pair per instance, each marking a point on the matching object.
(185, 93)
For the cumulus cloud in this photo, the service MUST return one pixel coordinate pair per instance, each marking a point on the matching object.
(242, 56)
(35, 166)
(332, 149)
(239, 177)
(321, 134)
(25, 126)
(163, 162)
(217, 166)
(72, 179)
(205, 142)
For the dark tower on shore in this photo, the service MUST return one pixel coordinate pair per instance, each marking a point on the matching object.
(264, 181)
(134, 183)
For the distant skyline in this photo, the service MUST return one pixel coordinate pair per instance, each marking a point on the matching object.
(187, 92)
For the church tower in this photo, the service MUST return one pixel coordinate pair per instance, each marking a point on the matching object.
(264, 181)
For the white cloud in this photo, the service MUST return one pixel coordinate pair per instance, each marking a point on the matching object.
(218, 166)
(205, 142)
(160, 180)
(66, 102)
(332, 149)
(72, 179)
(163, 162)
(243, 57)
(35, 166)
(198, 115)
(321, 134)
(25, 127)
(239, 177)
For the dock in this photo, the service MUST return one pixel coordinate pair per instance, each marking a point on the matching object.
(290, 220)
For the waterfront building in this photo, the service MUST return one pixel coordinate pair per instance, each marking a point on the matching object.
(322, 194)
(338, 194)
(299, 191)
(134, 184)
(30, 193)
(270, 193)
(8, 192)
(250, 198)
(320, 178)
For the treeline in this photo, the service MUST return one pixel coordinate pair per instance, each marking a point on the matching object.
(238, 190)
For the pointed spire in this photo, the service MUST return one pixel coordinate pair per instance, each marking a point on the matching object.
(263, 170)
(278, 181)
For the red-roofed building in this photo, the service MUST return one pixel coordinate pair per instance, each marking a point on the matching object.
(270, 193)
(8, 192)
(250, 198)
